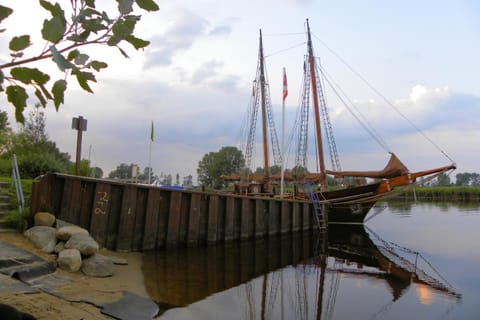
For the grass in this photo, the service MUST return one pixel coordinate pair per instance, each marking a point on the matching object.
(15, 218)
(447, 193)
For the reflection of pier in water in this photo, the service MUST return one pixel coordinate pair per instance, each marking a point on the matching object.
(185, 275)
(177, 278)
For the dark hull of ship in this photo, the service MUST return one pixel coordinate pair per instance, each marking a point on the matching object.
(350, 205)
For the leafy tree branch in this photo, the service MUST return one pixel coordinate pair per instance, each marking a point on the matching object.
(64, 39)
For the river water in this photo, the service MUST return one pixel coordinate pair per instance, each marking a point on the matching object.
(410, 261)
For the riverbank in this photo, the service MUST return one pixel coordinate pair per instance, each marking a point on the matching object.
(441, 194)
(63, 295)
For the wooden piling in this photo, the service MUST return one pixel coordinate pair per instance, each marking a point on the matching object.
(132, 217)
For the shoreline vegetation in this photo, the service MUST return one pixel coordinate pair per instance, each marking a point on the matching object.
(441, 194)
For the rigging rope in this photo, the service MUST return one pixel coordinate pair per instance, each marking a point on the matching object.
(286, 49)
(363, 121)
(384, 98)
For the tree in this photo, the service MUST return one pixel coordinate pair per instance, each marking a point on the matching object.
(462, 179)
(5, 132)
(36, 154)
(443, 180)
(85, 169)
(64, 35)
(467, 179)
(144, 176)
(213, 165)
(35, 126)
(97, 172)
(4, 124)
(5, 143)
(123, 171)
(273, 169)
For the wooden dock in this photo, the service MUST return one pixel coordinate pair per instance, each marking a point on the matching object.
(134, 217)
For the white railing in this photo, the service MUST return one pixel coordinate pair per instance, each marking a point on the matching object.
(18, 185)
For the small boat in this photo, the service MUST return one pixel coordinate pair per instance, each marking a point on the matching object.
(344, 203)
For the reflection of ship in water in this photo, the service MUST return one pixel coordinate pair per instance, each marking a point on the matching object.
(260, 276)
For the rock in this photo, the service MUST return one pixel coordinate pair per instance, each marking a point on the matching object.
(97, 266)
(83, 242)
(42, 237)
(70, 260)
(60, 223)
(118, 260)
(64, 233)
(59, 247)
(11, 313)
(44, 219)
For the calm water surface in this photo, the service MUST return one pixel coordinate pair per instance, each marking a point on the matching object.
(411, 261)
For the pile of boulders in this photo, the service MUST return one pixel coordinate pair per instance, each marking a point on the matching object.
(75, 248)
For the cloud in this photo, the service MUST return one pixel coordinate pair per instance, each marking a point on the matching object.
(206, 72)
(182, 30)
(222, 30)
(437, 113)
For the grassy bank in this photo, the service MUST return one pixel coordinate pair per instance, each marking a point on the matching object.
(15, 218)
(450, 193)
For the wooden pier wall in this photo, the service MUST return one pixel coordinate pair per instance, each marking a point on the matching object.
(133, 217)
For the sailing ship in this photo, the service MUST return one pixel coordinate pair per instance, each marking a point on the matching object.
(345, 203)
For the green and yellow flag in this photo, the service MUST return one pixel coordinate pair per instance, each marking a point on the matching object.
(151, 132)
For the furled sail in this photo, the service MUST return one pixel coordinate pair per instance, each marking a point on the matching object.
(394, 168)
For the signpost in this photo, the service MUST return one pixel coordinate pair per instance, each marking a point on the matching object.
(79, 124)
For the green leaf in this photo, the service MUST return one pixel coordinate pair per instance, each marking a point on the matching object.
(16, 55)
(114, 40)
(123, 28)
(136, 42)
(18, 97)
(81, 59)
(123, 53)
(40, 97)
(55, 10)
(45, 92)
(97, 65)
(54, 29)
(83, 77)
(133, 17)
(106, 18)
(4, 12)
(88, 12)
(148, 5)
(58, 91)
(94, 25)
(60, 60)
(27, 75)
(1, 76)
(90, 3)
(72, 54)
(82, 37)
(125, 6)
(19, 43)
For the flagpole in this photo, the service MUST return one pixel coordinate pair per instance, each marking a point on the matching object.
(150, 156)
(285, 93)
(150, 163)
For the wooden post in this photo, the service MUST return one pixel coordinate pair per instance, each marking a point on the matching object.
(79, 124)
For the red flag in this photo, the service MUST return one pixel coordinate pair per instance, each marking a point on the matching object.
(285, 88)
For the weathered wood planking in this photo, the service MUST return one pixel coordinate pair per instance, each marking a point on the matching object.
(132, 217)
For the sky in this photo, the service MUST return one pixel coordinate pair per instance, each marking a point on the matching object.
(195, 80)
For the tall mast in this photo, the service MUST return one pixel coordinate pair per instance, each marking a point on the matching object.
(264, 109)
(318, 131)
